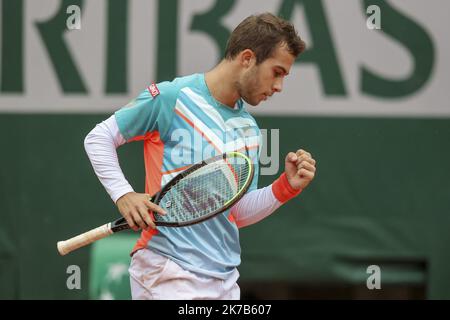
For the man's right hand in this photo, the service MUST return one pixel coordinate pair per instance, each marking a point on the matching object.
(135, 208)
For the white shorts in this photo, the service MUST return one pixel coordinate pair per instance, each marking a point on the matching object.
(155, 277)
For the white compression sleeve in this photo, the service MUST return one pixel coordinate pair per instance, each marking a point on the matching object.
(255, 206)
(100, 145)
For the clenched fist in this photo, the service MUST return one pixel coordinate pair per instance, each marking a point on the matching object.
(300, 169)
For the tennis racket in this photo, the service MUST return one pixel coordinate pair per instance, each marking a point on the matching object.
(199, 193)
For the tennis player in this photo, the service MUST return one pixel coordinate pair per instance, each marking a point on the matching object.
(186, 120)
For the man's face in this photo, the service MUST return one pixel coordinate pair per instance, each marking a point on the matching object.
(258, 82)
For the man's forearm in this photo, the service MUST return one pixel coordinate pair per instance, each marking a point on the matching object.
(258, 204)
(255, 206)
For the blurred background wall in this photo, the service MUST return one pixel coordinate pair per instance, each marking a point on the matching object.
(370, 104)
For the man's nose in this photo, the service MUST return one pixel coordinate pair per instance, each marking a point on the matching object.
(278, 85)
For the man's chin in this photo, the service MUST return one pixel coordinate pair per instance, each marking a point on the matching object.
(253, 103)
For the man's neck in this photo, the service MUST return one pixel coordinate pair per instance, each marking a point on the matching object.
(221, 83)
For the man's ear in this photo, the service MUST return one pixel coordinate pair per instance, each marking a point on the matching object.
(246, 58)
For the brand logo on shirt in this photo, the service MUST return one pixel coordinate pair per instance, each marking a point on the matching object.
(153, 89)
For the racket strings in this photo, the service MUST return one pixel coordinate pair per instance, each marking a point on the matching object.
(204, 191)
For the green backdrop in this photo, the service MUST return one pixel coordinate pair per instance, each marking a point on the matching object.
(381, 196)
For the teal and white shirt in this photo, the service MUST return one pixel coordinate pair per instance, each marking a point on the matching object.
(181, 124)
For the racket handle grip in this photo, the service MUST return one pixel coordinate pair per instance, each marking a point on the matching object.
(65, 247)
